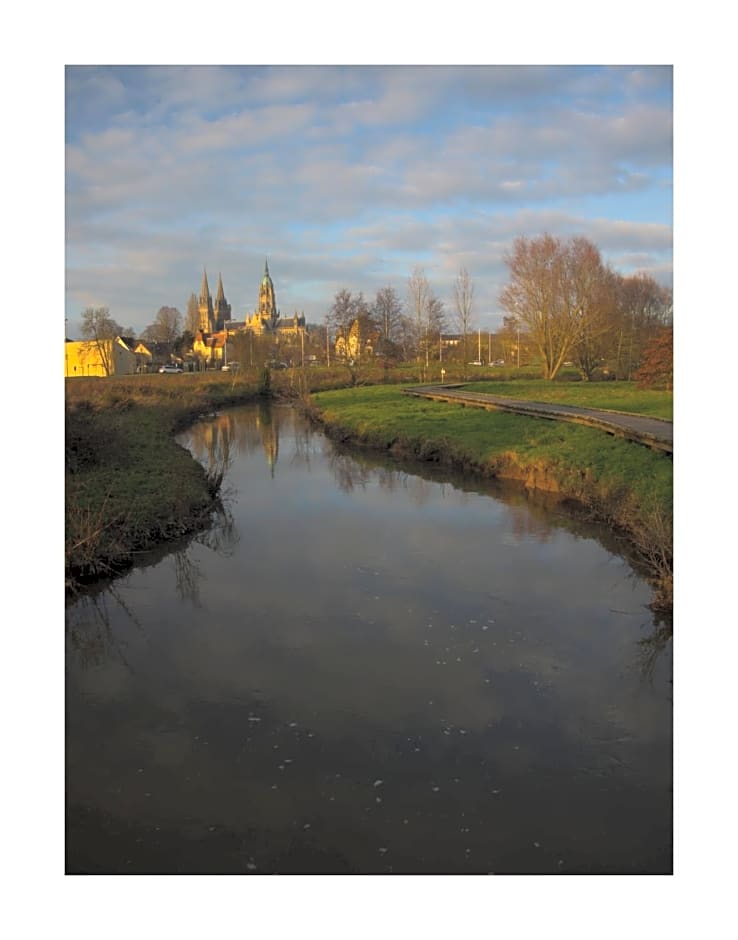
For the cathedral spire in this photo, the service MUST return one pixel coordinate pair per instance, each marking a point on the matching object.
(222, 309)
(205, 307)
(204, 290)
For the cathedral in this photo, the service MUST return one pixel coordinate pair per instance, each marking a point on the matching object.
(266, 318)
(215, 317)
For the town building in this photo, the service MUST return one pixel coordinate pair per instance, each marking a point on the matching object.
(101, 357)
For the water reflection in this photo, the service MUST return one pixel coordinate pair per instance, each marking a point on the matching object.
(214, 441)
(361, 669)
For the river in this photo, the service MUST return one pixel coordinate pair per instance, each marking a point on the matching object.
(367, 667)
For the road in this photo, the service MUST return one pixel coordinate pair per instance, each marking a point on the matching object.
(656, 433)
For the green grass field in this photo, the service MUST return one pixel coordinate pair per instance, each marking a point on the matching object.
(613, 396)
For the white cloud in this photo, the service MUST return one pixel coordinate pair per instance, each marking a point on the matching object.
(350, 176)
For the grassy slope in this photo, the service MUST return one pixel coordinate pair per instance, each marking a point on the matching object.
(619, 482)
(128, 484)
(613, 396)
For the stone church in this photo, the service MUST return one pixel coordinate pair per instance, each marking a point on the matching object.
(215, 322)
(267, 318)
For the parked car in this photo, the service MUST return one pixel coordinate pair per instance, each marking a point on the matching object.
(170, 368)
(230, 367)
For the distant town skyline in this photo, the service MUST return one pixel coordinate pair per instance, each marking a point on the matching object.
(349, 177)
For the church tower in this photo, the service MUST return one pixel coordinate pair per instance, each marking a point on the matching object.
(267, 308)
(207, 322)
(222, 311)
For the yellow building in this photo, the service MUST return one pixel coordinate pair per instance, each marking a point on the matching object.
(210, 347)
(98, 357)
(356, 343)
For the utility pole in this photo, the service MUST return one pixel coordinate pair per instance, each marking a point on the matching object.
(479, 346)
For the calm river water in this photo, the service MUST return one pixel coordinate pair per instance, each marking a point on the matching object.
(366, 667)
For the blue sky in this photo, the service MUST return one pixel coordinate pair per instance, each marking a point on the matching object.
(351, 176)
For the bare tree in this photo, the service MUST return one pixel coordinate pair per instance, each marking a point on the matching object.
(99, 330)
(644, 307)
(552, 290)
(599, 325)
(435, 325)
(419, 293)
(192, 316)
(463, 303)
(388, 316)
(351, 317)
(166, 328)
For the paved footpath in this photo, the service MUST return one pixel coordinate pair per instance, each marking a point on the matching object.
(657, 433)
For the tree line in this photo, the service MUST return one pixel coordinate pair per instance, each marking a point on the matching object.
(562, 303)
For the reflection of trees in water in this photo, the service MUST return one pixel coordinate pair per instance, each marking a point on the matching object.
(347, 473)
(651, 647)
(221, 537)
(90, 619)
(302, 443)
(88, 626)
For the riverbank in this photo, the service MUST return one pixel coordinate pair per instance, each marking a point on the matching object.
(128, 485)
(613, 481)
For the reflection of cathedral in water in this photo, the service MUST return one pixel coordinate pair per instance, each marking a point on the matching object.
(216, 441)
(268, 423)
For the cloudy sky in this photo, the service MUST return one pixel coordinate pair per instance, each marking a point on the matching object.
(351, 176)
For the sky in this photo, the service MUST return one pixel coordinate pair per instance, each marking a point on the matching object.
(350, 177)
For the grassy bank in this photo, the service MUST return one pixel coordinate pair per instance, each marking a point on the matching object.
(128, 485)
(617, 482)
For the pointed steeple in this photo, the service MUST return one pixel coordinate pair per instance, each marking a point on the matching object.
(267, 306)
(219, 295)
(222, 309)
(204, 290)
(205, 307)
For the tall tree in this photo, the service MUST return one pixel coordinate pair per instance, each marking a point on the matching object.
(388, 317)
(166, 328)
(552, 291)
(351, 316)
(419, 293)
(598, 318)
(341, 313)
(657, 367)
(644, 307)
(192, 316)
(436, 324)
(463, 308)
(99, 329)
